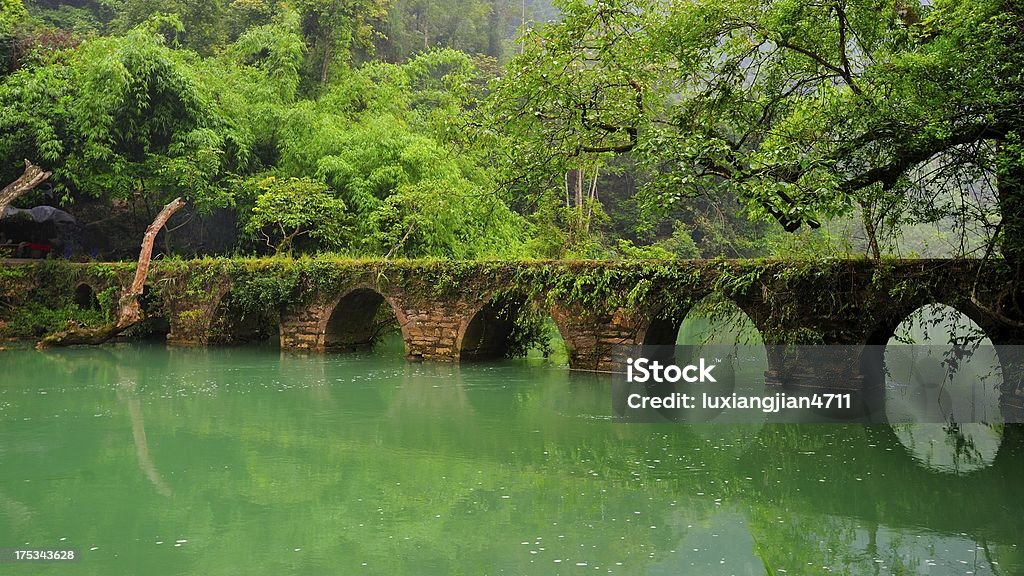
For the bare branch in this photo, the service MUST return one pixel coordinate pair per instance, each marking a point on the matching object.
(130, 310)
(32, 177)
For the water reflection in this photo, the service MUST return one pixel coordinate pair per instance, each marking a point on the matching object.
(367, 464)
(119, 369)
(944, 376)
(130, 398)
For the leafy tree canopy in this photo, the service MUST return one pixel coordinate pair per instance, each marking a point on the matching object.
(391, 141)
(287, 210)
(120, 115)
(11, 12)
(802, 110)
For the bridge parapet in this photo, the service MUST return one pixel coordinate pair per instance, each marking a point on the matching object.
(463, 310)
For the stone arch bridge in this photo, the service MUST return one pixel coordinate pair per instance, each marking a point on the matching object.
(457, 311)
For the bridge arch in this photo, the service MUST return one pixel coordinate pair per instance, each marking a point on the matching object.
(486, 331)
(664, 326)
(563, 332)
(951, 387)
(355, 320)
(900, 313)
(510, 326)
(85, 297)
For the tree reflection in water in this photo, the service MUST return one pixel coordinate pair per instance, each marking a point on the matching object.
(943, 387)
(427, 469)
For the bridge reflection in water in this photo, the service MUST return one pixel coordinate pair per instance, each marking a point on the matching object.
(442, 468)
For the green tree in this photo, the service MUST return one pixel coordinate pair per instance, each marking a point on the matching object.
(794, 106)
(12, 12)
(135, 117)
(124, 116)
(288, 209)
(276, 49)
(471, 26)
(83, 17)
(205, 24)
(390, 140)
(570, 102)
(392, 143)
(412, 197)
(801, 110)
(334, 27)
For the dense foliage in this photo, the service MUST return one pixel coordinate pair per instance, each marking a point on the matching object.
(379, 161)
(620, 128)
(802, 111)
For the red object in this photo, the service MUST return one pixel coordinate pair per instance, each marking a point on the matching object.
(40, 247)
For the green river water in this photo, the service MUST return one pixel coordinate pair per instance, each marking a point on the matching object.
(155, 461)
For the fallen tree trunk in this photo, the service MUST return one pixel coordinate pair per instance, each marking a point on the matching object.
(32, 177)
(129, 312)
(76, 335)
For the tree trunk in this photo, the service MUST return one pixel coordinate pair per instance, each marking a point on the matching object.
(1010, 194)
(129, 310)
(1010, 197)
(578, 189)
(568, 202)
(591, 199)
(522, 40)
(32, 177)
(326, 65)
(574, 200)
(871, 230)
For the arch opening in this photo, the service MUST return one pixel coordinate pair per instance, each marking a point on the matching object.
(536, 336)
(717, 331)
(360, 322)
(717, 327)
(717, 321)
(942, 387)
(513, 328)
(932, 324)
(490, 332)
(234, 323)
(85, 297)
(713, 320)
(663, 329)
